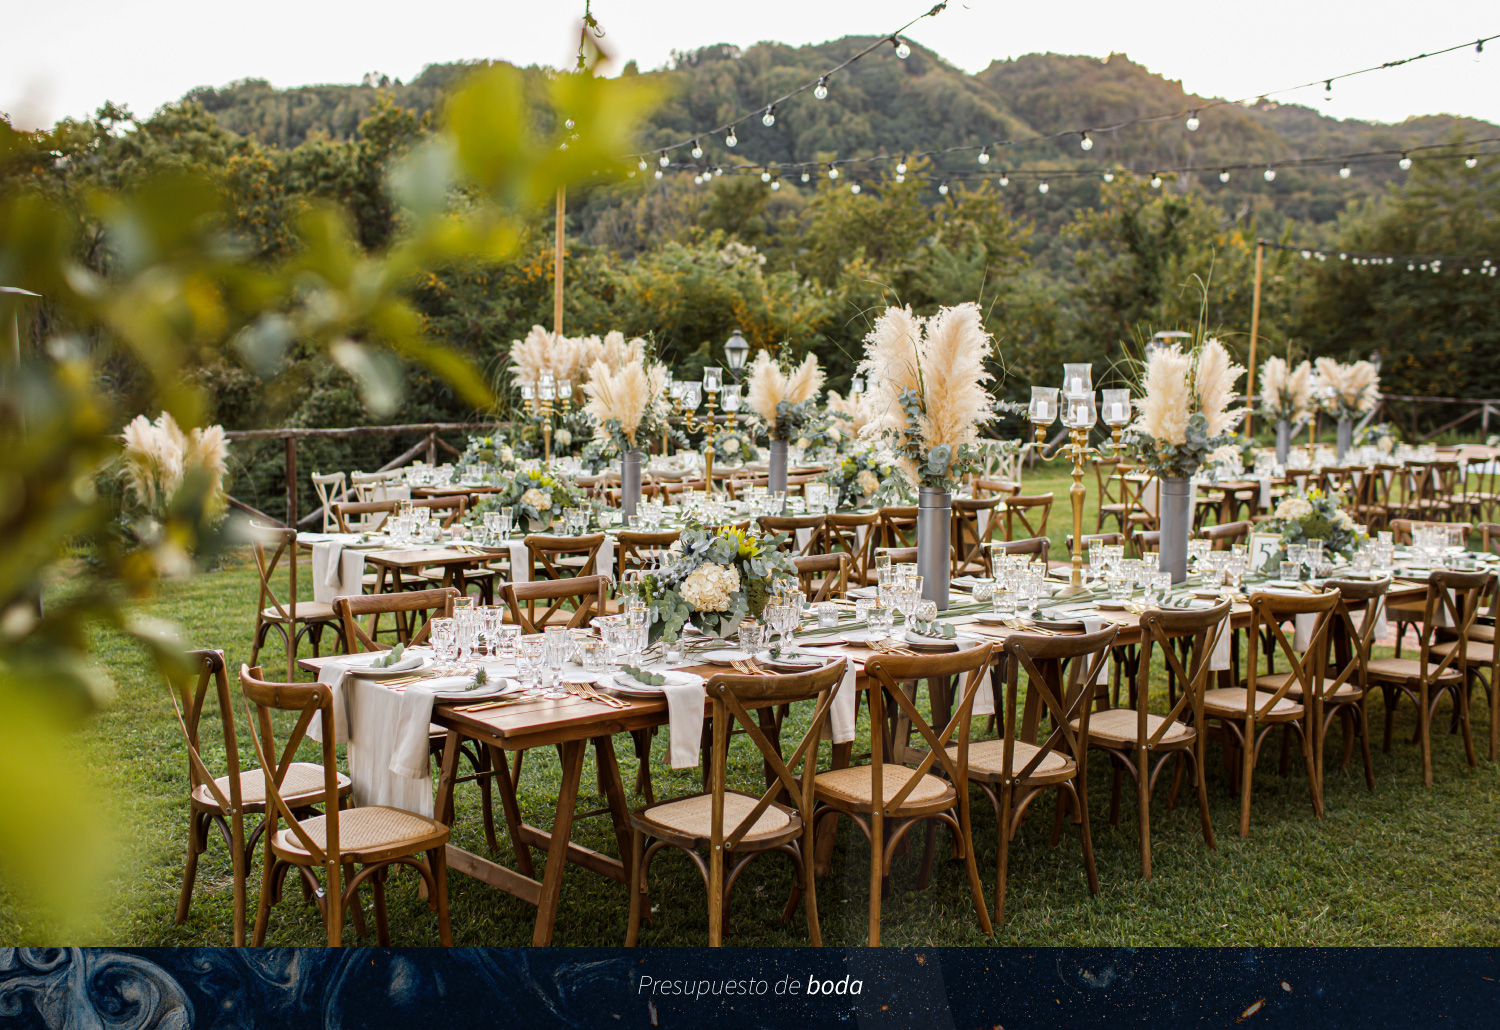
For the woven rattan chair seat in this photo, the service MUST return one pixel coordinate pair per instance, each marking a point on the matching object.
(372, 829)
(1116, 726)
(1478, 651)
(303, 783)
(1229, 703)
(987, 761)
(693, 817)
(1272, 681)
(1479, 631)
(307, 611)
(1407, 669)
(851, 786)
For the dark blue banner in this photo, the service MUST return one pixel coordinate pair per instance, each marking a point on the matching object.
(963, 989)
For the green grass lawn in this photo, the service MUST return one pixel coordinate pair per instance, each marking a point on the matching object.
(1405, 865)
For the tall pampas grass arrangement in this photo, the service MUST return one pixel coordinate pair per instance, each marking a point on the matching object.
(851, 410)
(926, 390)
(158, 457)
(784, 397)
(1285, 394)
(1183, 410)
(1347, 390)
(628, 406)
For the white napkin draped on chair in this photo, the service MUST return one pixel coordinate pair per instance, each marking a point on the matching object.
(336, 571)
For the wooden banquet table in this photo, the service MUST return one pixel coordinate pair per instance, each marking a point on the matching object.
(571, 724)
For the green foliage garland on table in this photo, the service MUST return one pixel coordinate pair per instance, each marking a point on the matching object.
(717, 577)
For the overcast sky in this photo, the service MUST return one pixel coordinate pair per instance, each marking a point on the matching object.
(65, 57)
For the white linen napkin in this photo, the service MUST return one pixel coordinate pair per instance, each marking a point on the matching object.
(1303, 631)
(336, 571)
(1093, 624)
(1221, 657)
(842, 712)
(685, 723)
(333, 675)
(1265, 493)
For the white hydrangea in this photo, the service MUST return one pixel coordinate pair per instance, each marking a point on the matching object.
(834, 434)
(507, 455)
(709, 587)
(1344, 520)
(534, 498)
(803, 442)
(1294, 508)
(562, 438)
(868, 482)
(730, 446)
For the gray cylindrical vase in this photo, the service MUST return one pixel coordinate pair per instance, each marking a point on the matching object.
(630, 481)
(1283, 441)
(934, 526)
(777, 475)
(1346, 438)
(1175, 514)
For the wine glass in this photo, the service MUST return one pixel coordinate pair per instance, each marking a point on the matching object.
(506, 521)
(911, 599)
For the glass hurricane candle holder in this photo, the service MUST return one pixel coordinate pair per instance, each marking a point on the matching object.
(1078, 379)
(713, 379)
(730, 398)
(1043, 408)
(1079, 411)
(1116, 407)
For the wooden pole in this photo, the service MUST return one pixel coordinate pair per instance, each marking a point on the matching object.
(557, 268)
(291, 481)
(1260, 253)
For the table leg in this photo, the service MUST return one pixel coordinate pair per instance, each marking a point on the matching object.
(379, 589)
(557, 850)
(613, 789)
(443, 812)
(506, 788)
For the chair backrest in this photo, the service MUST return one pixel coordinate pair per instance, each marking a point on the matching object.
(1226, 533)
(1267, 614)
(1148, 541)
(187, 703)
(822, 576)
(1159, 627)
(987, 487)
(842, 533)
(307, 699)
(1401, 529)
(898, 526)
(976, 520)
(585, 593)
(352, 514)
(899, 555)
(1489, 535)
(1302, 479)
(635, 549)
(1036, 546)
(1345, 480)
(1133, 494)
(1352, 640)
(737, 484)
(547, 551)
(1452, 601)
(1031, 511)
(788, 525)
(887, 673)
(330, 488)
(1061, 672)
(1107, 480)
(272, 544)
(1107, 539)
(729, 695)
(348, 609)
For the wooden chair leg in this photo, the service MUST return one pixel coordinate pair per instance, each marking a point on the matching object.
(1461, 704)
(356, 913)
(924, 872)
(1143, 803)
(1247, 768)
(1200, 760)
(1089, 868)
(333, 908)
(1364, 742)
(877, 871)
(1424, 735)
(809, 884)
(1492, 694)
(1002, 857)
(196, 833)
(437, 862)
(239, 862)
(971, 867)
(377, 891)
(637, 876)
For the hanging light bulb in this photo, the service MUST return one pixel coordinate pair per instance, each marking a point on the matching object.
(833, 171)
(821, 89)
(900, 178)
(765, 175)
(1224, 175)
(984, 156)
(697, 150)
(1478, 50)
(943, 188)
(1155, 181)
(1085, 143)
(769, 118)
(1109, 176)
(1411, 267)
(1192, 122)
(719, 170)
(775, 184)
(1343, 256)
(902, 50)
(901, 166)
(658, 173)
(1471, 161)
(698, 180)
(1328, 89)
(854, 187)
(1306, 254)
(664, 160)
(630, 174)
(1042, 187)
(641, 165)
(1004, 179)
(1343, 171)
(731, 140)
(568, 124)
(806, 177)
(1405, 163)
(1270, 174)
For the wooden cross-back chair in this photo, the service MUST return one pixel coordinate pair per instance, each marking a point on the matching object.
(822, 577)
(1031, 512)
(637, 549)
(789, 526)
(1247, 714)
(373, 836)
(976, 521)
(734, 827)
(330, 489)
(1108, 480)
(1372, 506)
(573, 602)
(736, 485)
(885, 800)
(563, 557)
(1134, 737)
(899, 555)
(1226, 534)
(222, 802)
(1344, 479)
(282, 612)
(854, 535)
(1133, 493)
(1107, 539)
(1345, 688)
(1036, 546)
(1444, 499)
(991, 487)
(1014, 769)
(1481, 488)
(897, 526)
(355, 515)
(1302, 480)
(1452, 599)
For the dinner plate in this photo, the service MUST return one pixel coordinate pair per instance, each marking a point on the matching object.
(862, 637)
(991, 619)
(628, 686)
(406, 665)
(484, 692)
(1111, 606)
(870, 592)
(727, 656)
(921, 642)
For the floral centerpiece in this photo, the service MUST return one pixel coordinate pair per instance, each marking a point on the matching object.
(737, 445)
(491, 450)
(717, 577)
(1347, 390)
(1382, 436)
(784, 397)
(867, 478)
(538, 498)
(1315, 515)
(1285, 392)
(628, 406)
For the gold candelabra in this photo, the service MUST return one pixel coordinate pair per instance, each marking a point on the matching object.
(539, 398)
(1079, 414)
(708, 424)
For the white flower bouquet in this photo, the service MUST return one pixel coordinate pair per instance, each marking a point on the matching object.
(867, 477)
(1315, 515)
(716, 578)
